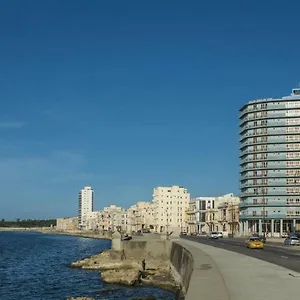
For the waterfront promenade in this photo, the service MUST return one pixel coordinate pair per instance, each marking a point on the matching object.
(227, 275)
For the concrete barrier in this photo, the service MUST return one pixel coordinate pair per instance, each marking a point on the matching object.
(156, 249)
(193, 270)
(182, 264)
(200, 275)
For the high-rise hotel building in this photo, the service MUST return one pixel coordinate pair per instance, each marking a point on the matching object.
(270, 165)
(85, 205)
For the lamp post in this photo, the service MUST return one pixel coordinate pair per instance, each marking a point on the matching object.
(296, 180)
(264, 225)
(232, 222)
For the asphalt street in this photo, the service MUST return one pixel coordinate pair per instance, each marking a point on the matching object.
(278, 254)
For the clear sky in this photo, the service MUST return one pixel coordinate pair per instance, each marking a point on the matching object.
(128, 95)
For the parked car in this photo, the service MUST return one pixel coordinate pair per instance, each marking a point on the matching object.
(214, 235)
(126, 237)
(291, 241)
(220, 234)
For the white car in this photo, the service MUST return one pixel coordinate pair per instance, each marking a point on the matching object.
(220, 234)
(214, 235)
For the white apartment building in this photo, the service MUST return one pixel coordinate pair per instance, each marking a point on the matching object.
(197, 211)
(85, 206)
(213, 214)
(171, 205)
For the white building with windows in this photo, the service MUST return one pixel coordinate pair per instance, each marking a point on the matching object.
(196, 213)
(85, 206)
(171, 204)
(270, 165)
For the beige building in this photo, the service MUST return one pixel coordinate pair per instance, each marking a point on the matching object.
(229, 217)
(223, 214)
(131, 219)
(171, 204)
(67, 224)
(191, 213)
(141, 216)
(116, 217)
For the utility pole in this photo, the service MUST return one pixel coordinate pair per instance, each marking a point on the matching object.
(264, 225)
(296, 180)
(232, 219)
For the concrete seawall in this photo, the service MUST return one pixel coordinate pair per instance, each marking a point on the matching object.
(180, 258)
(194, 271)
(182, 264)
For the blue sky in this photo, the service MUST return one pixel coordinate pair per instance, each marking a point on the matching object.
(129, 95)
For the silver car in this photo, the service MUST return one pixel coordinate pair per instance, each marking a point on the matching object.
(214, 235)
(291, 241)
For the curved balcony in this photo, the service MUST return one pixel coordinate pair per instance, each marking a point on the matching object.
(268, 184)
(271, 123)
(270, 216)
(268, 204)
(271, 107)
(270, 193)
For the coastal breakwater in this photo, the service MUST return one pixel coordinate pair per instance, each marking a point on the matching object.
(162, 263)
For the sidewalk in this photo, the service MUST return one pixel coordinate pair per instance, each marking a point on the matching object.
(237, 277)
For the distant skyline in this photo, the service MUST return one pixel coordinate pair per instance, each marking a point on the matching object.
(125, 96)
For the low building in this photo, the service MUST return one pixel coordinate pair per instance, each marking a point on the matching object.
(228, 216)
(198, 207)
(67, 224)
(223, 214)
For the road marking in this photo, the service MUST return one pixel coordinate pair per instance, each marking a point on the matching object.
(285, 257)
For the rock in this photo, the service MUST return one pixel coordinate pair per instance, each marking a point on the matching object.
(121, 276)
(124, 264)
(157, 265)
(102, 259)
(159, 278)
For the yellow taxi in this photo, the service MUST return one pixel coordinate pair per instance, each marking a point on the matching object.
(254, 243)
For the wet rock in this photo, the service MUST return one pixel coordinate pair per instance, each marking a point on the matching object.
(117, 269)
(121, 276)
(157, 265)
(159, 278)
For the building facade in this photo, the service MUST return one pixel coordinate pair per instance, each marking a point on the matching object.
(270, 165)
(196, 213)
(170, 206)
(221, 215)
(67, 224)
(85, 206)
(228, 216)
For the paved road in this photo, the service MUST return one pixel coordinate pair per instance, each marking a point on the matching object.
(285, 256)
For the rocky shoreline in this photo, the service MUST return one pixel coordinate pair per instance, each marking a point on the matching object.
(116, 268)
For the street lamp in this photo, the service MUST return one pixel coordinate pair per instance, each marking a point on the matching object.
(232, 215)
(264, 225)
(296, 180)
